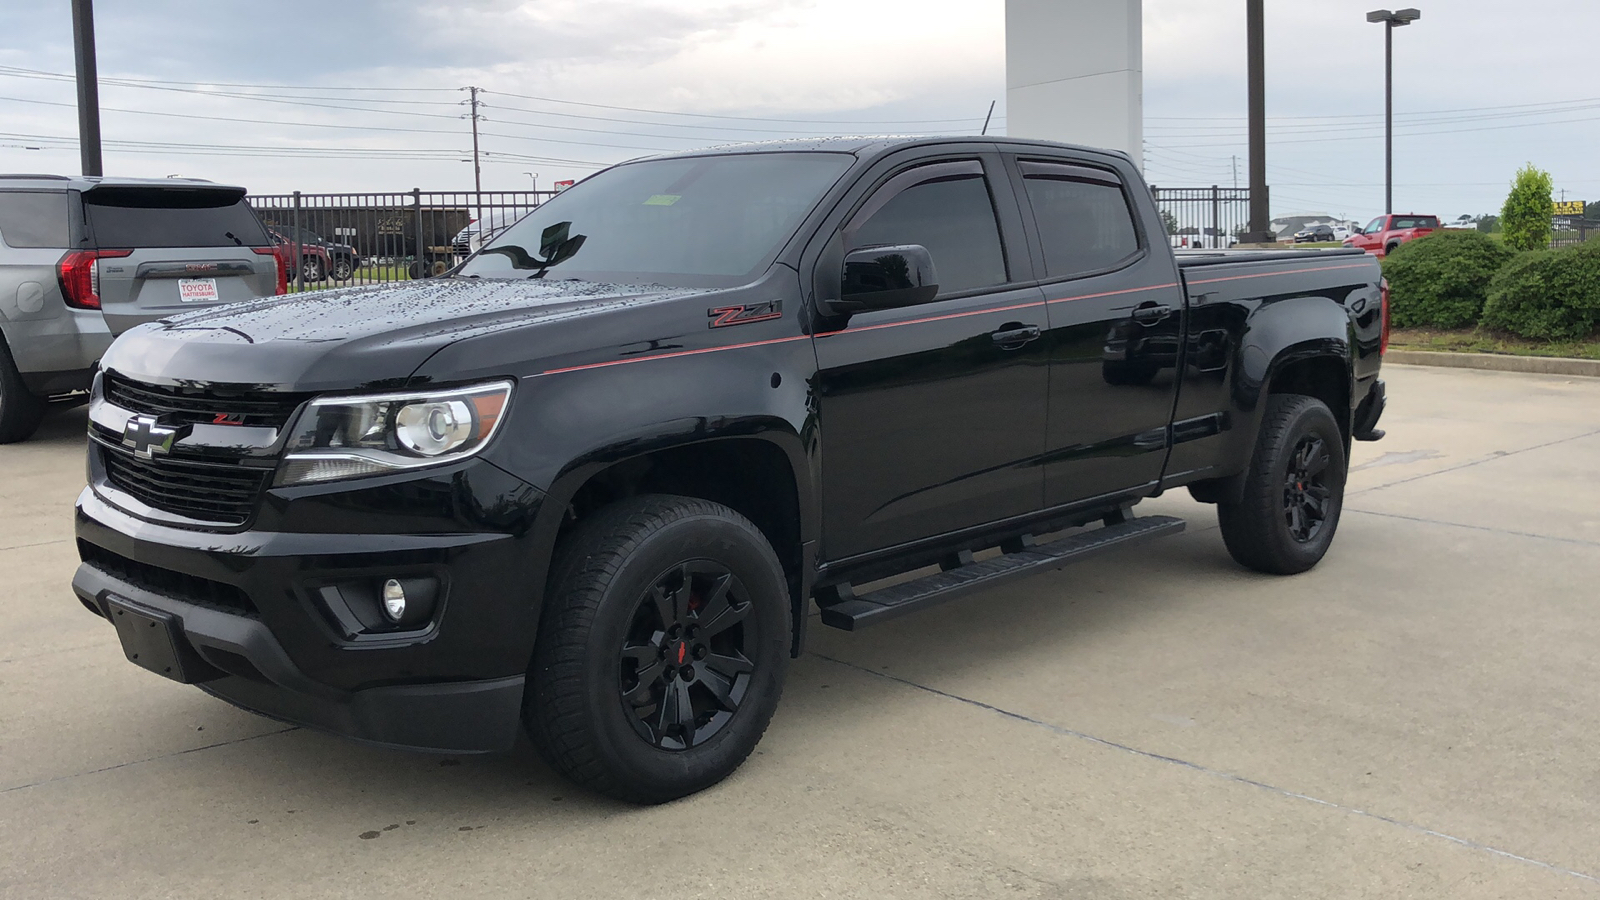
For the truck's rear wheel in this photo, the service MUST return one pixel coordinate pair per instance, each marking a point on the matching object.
(1293, 491)
(662, 650)
(20, 411)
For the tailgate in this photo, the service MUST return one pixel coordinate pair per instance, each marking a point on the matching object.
(174, 249)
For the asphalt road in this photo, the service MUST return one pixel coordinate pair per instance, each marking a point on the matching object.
(1417, 717)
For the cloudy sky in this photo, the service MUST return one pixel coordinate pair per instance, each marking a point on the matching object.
(367, 96)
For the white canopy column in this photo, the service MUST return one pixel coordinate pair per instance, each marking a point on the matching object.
(1075, 72)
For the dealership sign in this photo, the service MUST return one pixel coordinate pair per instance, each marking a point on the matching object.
(1573, 208)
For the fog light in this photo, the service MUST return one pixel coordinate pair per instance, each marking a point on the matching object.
(394, 601)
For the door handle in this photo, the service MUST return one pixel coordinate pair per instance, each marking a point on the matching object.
(1151, 314)
(1014, 336)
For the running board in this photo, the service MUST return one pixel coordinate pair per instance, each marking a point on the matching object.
(842, 608)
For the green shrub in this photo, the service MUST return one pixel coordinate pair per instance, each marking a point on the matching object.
(1529, 210)
(1547, 295)
(1442, 280)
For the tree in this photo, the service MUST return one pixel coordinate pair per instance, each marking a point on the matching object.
(1530, 207)
(1488, 224)
(1592, 211)
(1170, 220)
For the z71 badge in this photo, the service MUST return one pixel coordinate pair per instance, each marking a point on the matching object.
(723, 316)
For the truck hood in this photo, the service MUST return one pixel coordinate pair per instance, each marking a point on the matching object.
(354, 338)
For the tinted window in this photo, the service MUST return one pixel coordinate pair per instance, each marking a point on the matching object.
(954, 219)
(702, 221)
(1084, 226)
(171, 217)
(33, 219)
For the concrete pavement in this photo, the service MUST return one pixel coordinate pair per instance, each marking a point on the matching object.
(1414, 718)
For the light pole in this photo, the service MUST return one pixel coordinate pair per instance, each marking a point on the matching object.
(88, 87)
(535, 177)
(1391, 21)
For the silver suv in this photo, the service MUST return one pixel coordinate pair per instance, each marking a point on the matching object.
(84, 259)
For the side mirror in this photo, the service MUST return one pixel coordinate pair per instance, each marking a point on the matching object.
(887, 277)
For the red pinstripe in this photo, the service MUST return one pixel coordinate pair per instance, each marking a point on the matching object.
(926, 319)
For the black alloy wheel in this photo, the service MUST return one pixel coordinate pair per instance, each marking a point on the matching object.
(684, 671)
(343, 269)
(662, 648)
(1305, 492)
(1283, 519)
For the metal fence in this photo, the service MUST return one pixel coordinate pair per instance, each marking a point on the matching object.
(1577, 231)
(1209, 218)
(345, 239)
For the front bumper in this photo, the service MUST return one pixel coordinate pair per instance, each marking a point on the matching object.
(254, 608)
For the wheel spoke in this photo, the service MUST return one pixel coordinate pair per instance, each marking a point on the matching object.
(1297, 522)
(1318, 462)
(642, 655)
(719, 686)
(726, 618)
(677, 710)
(642, 694)
(728, 666)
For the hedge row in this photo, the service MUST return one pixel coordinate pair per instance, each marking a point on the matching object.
(1458, 279)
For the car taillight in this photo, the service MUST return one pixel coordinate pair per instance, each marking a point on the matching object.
(1383, 347)
(79, 275)
(281, 275)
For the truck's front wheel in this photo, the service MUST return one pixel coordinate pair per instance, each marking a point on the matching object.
(662, 650)
(1284, 521)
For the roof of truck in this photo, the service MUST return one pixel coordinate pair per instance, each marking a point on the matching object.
(90, 182)
(872, 145)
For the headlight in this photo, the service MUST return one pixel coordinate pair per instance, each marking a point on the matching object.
(346, 437)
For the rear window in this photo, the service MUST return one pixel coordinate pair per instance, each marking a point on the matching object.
(30, 219)
(171, 217)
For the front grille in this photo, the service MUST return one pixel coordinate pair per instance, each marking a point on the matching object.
(175, 405)
(167, 583)
(225, 493)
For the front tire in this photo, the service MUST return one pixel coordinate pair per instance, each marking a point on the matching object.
(20, 411)
(1293, 492)
(662, 649)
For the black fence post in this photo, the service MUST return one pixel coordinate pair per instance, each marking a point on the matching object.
(299, 259)
(1216, 217)
(418, 267)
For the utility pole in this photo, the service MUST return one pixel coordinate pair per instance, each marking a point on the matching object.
(1256, 41)
(1236, 171)
(88, 87)
(477, 170)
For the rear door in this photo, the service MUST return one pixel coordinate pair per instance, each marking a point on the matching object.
(175, 249)
(1115, 314)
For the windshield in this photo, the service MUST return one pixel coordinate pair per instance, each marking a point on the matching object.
(711, 221)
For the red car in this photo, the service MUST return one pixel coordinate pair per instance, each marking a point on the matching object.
(318, 262)
(1385, 233)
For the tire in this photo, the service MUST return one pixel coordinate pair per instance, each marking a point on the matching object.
(343, 268)
(20, 410)
(1389, 249)
(622, 645)
(313, 269)
(1296, 474)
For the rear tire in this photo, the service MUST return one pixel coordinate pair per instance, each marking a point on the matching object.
(1293, 492)
(313, 269)
(20, 410)
(662, 649)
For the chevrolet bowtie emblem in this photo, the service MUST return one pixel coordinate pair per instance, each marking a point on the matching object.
(146, 437)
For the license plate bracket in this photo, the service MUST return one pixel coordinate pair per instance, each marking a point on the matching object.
(197, 290)
(154, 640)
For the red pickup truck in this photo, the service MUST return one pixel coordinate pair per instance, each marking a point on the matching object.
(1385, 233)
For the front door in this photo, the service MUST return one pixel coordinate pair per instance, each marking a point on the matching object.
(932, 417)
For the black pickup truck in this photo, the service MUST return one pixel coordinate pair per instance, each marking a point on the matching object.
(592, 481)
